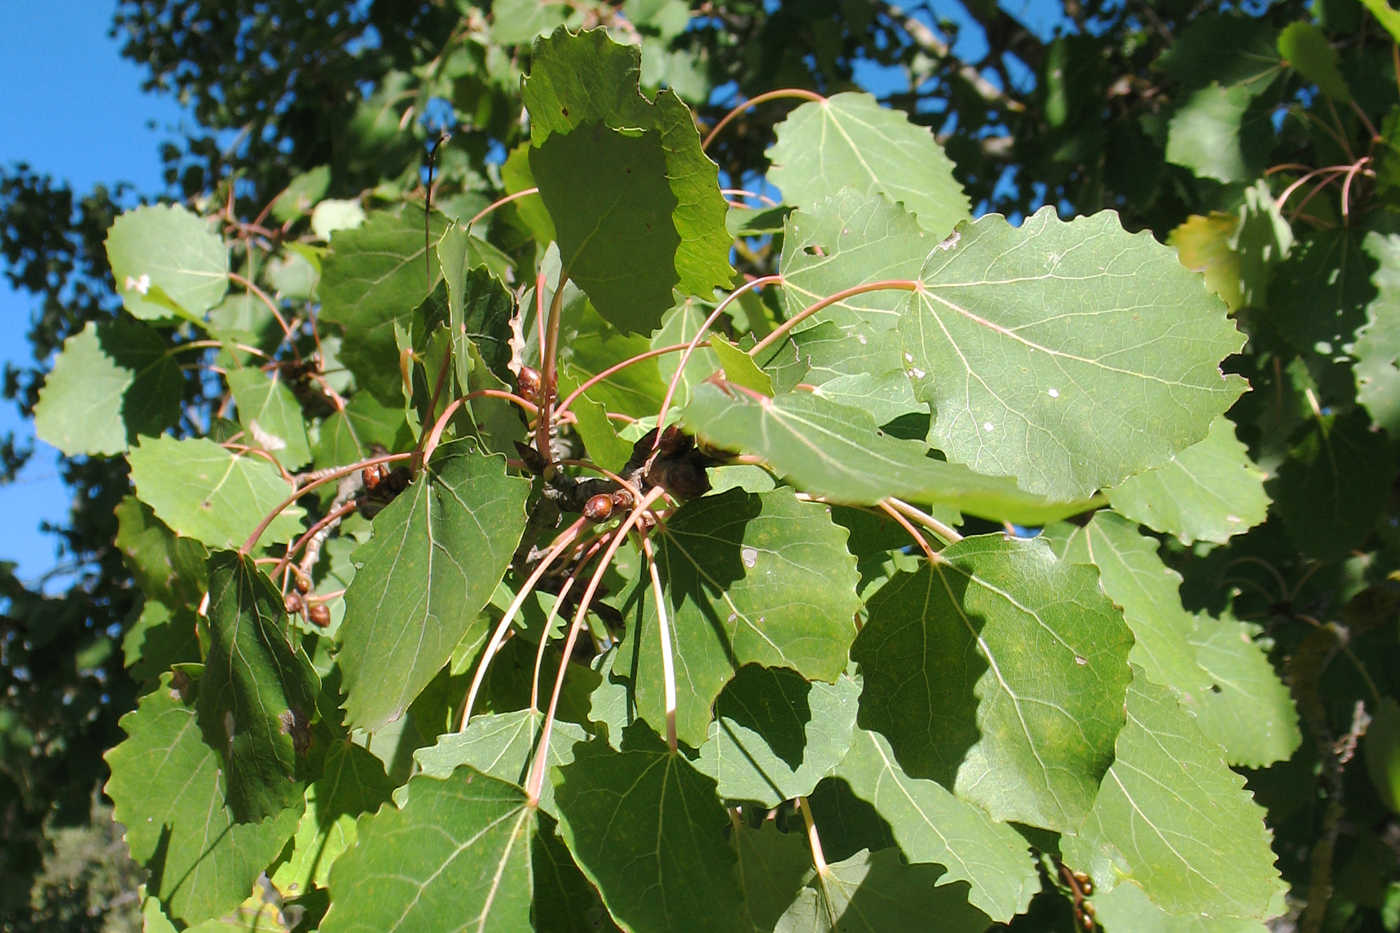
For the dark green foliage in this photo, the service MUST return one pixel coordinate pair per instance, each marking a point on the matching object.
(956, 710)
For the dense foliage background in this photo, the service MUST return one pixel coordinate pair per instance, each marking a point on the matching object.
(1259, 140)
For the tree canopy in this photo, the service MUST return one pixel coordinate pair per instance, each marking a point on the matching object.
(638, 465)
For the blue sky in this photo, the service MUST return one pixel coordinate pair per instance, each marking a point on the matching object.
(73, 109)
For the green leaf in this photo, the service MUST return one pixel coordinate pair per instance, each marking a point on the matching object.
(350, 434)
(1224, 47)
(153, 918)
(1377, 347)
(332, 215)
(374, 278)
(1382, 750)
(999, 670)
(739, 368)
(242, 318)
(272, 416)
(437, 553)
(458, 851)
(589, 345)
(1208, 492)
(352, 782)
(1386, 15)
(855, 365)
(258, 693)
(168, 791)
(1209, 134)
(680, 325)
(1387, 151)
(1135, 579)
(166, 261)
(594, 428)
(849, 140)
(516, 21)
(1127, 907)
(667, 865)
(302, 193)
(773, 867)
(1069, 355)
(1262, 239)
(516, 176)
(166, 567)
(846, 240)
(616, 237)
(1320, 292)
(748, 579)
(590, 81)
(294, 273)
(479, 306)
(564, 899)
(775, 734)
(1196, 844)
(503, 746)
(835, 451)
(1204, 244)
(113, 381)
(1248, 709)
(931, 825)
(1306, 48)
(160, 638)
(205, 492)
(876, 892)
(1334, 484)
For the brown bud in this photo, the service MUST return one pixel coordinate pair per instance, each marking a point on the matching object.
(529, 385)
(684, 478)
(1088, 909)
(622, 499)
(674, 441)
(303, 585)
(1085, 883)
(598, 508)
(372, 475)
(397, 479)
(292, 603)
(319, 615)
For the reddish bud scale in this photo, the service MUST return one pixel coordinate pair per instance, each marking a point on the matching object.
(292, 603)
(622, 499)
(319, 615)
(528, 384)
(598, 508)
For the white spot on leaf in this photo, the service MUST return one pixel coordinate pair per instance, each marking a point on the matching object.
(987, 426)
(140, 285)
(749, 556)
(266, 440)
(1053, 393)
